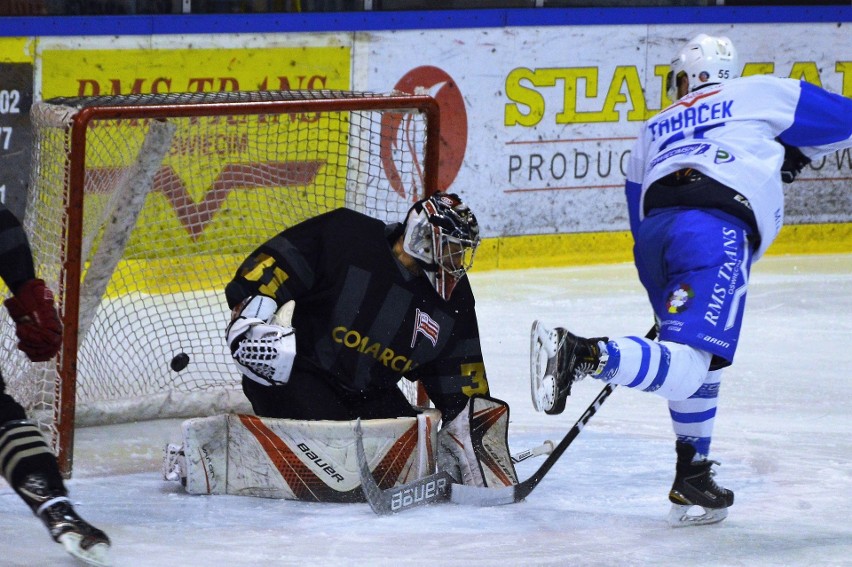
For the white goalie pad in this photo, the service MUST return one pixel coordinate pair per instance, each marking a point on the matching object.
(313, 461)
(474, 446)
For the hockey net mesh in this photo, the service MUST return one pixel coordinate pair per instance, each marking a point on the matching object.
(171, 207)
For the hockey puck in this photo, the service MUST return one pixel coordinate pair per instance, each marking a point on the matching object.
(180, 361)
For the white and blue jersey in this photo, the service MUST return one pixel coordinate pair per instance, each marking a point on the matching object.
(695, 262)
(705, 199)
(728, 132)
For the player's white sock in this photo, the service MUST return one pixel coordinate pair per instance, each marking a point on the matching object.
(671, 370)
(694, 417)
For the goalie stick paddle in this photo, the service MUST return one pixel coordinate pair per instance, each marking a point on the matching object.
(427, 490)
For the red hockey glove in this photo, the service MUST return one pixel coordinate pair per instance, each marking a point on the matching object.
(38, 327)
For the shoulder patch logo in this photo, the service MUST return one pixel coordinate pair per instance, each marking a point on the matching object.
(426, 326)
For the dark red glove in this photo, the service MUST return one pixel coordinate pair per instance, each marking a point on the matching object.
(38, 326)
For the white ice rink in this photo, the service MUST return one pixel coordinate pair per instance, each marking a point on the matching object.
(783, 435)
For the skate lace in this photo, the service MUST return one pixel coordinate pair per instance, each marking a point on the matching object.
(594, 362)
(711, 483)
(705, 481)
(61, 518)
(584, 369)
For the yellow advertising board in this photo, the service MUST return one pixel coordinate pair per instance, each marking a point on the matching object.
(16, 49)
(105, 72)
(218, 169)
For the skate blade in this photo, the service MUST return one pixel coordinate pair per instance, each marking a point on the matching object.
(680, 516)
(544, 338)
(97, 555)
(542, 349)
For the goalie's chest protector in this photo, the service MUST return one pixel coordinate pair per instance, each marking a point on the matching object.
(366, 319)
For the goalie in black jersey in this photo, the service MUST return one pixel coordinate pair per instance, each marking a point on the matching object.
(26, 461)
(374, 304)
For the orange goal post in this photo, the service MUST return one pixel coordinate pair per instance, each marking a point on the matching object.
(140, 209)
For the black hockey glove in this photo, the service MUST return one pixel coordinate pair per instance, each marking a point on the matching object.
(794, 161)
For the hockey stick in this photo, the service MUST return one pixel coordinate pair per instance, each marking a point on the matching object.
(436, 487)
(428, 490)
(478, 496)
(441, 487)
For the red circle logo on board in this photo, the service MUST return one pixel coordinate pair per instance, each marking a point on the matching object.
(440, 86)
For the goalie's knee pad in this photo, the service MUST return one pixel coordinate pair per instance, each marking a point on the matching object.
(474, 446)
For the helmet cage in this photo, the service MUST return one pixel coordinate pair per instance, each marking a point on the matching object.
(442, 235)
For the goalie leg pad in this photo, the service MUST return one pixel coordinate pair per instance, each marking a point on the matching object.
(474, 447)
(304, 460)
(205, 454)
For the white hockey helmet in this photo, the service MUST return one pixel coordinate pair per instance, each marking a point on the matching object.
(705, 60)
(442, 234)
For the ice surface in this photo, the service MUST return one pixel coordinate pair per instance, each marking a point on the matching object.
(782, 435)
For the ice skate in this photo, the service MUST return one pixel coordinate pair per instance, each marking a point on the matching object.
(79, 538)
(557, 360)
(694, 488)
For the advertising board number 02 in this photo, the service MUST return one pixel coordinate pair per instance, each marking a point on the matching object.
(10, 102)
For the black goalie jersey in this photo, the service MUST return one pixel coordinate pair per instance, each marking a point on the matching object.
(362, 320)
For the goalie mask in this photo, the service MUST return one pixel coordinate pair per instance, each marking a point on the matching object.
(442, 234)
(705, 60)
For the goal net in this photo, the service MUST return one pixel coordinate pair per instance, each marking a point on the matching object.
(140, 209)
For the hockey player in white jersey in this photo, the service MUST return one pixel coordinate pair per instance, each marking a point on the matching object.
(705, 195)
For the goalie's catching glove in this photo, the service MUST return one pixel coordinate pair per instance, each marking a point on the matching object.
(36, 321)
(263, 351)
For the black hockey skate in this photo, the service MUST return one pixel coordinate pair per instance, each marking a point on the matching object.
(694, 486)
(557, 360)
(79, 538)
